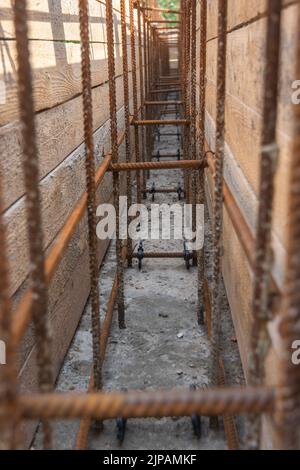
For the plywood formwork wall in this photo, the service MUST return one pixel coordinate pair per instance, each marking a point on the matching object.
(56, 67)
(244, 102)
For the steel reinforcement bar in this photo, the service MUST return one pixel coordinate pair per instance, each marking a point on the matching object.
(157, 165)
(161, 122)
(101, 406)
(171, 90)
(162, 103)
(161, 10)
(156, 255)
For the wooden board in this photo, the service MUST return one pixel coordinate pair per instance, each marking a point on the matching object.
(59, 133)
(55, 52)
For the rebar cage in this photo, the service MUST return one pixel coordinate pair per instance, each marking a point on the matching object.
(150, 45)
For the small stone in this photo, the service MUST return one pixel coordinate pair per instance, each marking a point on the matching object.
(192, 366)
(179, 372)
(163, 315)
(180, 335)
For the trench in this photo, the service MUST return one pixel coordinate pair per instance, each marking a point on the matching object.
(163, 347)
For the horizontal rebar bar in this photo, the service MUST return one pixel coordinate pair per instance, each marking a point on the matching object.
(162, 122)
(169, 134)
(101, 406)
(166, 155)
(162, 103)
(168, 77)
(196, 164)
(166, 190)
(155, 255)
(173, 84)
(168, 112)
(171, 90)
(161, 10)
(166, 28)
(163, 21)
(154, 157)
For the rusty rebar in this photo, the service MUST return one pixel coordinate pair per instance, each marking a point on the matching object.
(185, 87)
(162, 103)
(157, 165)
(218, 189)
(142, 90)
(157, 255)
(200, 186)
(135, 97)
(170, 90)
(193, 142)
(91, 188)
(146, 85)
(162, 190)
(126, 116)
(102, 406)
(115, 156)
(33, 209)
(161, 122)
(162, 10)
(287, 412)
(261, 301)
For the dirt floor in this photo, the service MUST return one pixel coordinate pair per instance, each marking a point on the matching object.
(163, 347)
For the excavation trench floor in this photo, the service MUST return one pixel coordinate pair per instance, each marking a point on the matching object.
(161, 348)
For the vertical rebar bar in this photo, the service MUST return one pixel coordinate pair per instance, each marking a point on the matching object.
(142, 91)
(201, 143)
(91, 189)
(146, 84)
(135, 98)
(218, 189)
(115, 157)
(126, 117)
(261, 302)
(193, 140)
(287, 409)
(33, 209)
